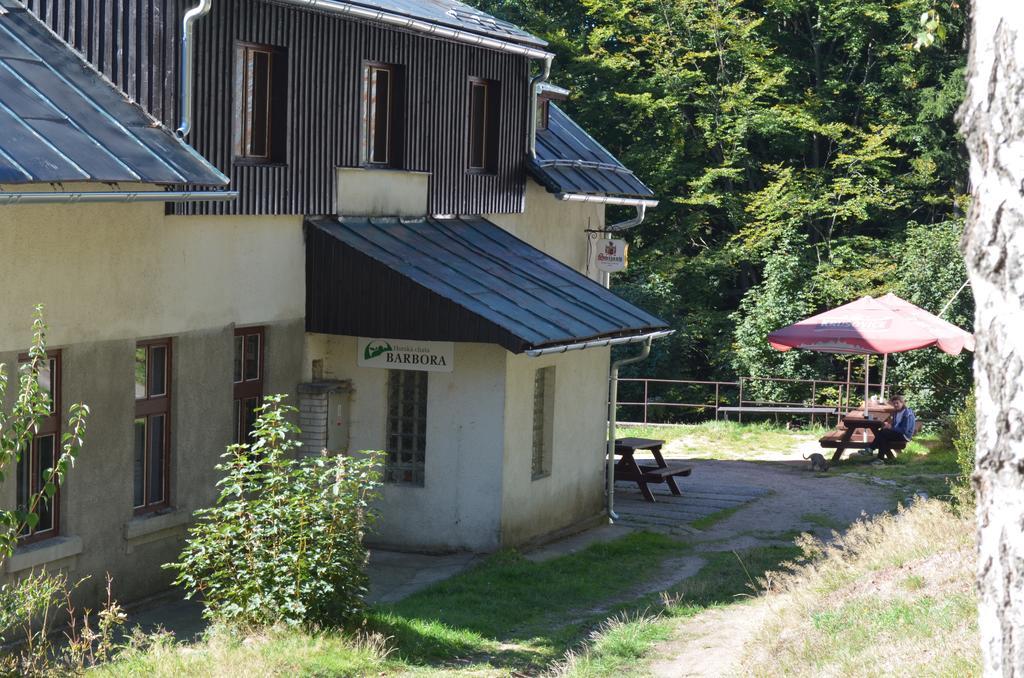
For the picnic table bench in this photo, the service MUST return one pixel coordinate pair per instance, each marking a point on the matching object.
(627, 468)
(857, 431)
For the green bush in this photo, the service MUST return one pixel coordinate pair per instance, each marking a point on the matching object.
(284, 542)
(964, 430)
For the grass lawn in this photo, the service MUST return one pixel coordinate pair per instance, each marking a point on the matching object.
(894, 596)
(927, 464)
(728, 440)
(580, 614)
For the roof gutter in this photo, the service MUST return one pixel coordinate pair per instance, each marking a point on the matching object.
(606, 199)
(63, 197)
(419, 26)
(598, 343)
(185, 67)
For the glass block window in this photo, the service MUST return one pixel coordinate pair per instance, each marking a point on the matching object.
(407, 427)
(543, 419)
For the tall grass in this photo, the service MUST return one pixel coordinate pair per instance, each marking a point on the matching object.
(893, 595)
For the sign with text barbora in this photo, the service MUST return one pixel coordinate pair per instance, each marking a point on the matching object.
(611, 255)
(404, 354)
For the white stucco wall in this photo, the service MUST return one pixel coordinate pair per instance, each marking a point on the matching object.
(112, 271)
(554, 226)
(573, 493)
(110, 275)
(458, 508)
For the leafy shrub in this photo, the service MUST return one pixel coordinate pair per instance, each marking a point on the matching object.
(964, 431)
(284, 542)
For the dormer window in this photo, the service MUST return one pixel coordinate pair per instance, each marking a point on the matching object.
(483, 126)
(543, 107)
(382, 115)
(261, 95)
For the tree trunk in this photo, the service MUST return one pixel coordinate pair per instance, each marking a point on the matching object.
(993, 122)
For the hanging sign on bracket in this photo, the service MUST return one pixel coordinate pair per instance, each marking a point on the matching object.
(611, 256)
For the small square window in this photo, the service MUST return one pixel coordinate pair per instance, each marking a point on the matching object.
(261, 95)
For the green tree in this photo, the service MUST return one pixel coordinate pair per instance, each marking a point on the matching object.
(820, 127)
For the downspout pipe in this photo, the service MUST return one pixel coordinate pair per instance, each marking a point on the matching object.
(185, 67)
(613, 401)
(535, 84)
(641, 214)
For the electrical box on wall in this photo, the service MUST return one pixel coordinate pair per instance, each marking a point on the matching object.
(338, 407)
(324, 408)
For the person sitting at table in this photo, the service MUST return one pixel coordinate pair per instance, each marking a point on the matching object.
(899, 428)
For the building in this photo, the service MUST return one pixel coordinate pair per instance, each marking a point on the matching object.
(379, 210)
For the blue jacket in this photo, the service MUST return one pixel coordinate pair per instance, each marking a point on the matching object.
(904, 422)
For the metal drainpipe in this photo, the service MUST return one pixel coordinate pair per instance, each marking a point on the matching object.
(613, 399)
(641, 213)
(185, 76)
(535, 83)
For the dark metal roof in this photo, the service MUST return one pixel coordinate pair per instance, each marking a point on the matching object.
(459, 279)
(62, 122)
(452, 14)
(571, 161)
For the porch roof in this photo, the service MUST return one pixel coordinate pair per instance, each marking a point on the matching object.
(63, 122)
(453, 279)
(571, 161)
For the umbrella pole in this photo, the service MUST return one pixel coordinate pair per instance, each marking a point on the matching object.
(885, 367)
(867, 372)
(849, 371)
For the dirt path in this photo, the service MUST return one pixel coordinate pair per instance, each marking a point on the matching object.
(711, 643)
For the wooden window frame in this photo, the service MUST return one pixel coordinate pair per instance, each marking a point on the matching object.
(49, 427)
(150, 406)
(247, 389)
(276, 111)
(543, 112)
(396, 116)
(489, 128)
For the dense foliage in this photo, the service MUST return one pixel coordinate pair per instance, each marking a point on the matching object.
(805, 153)
(284, 542)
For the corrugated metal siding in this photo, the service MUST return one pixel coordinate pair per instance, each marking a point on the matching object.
(62, 122)
(453, 280)
(325, 56)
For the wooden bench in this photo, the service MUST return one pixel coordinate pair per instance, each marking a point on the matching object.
(846, 438)
(812, 411)
(627, 468)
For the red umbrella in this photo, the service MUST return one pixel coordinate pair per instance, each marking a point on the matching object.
(884, 325)
(880, 326)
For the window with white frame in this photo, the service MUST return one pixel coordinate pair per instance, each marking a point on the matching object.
(543, 421)
(406, 427)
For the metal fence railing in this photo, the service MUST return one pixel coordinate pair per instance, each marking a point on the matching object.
(659, 401)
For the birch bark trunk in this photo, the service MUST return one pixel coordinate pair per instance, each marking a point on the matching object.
(992, 119)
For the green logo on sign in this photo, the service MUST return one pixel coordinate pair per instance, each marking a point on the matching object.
(376, 348)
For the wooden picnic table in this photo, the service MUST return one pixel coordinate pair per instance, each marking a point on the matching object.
(627, 467)
(857, 430)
